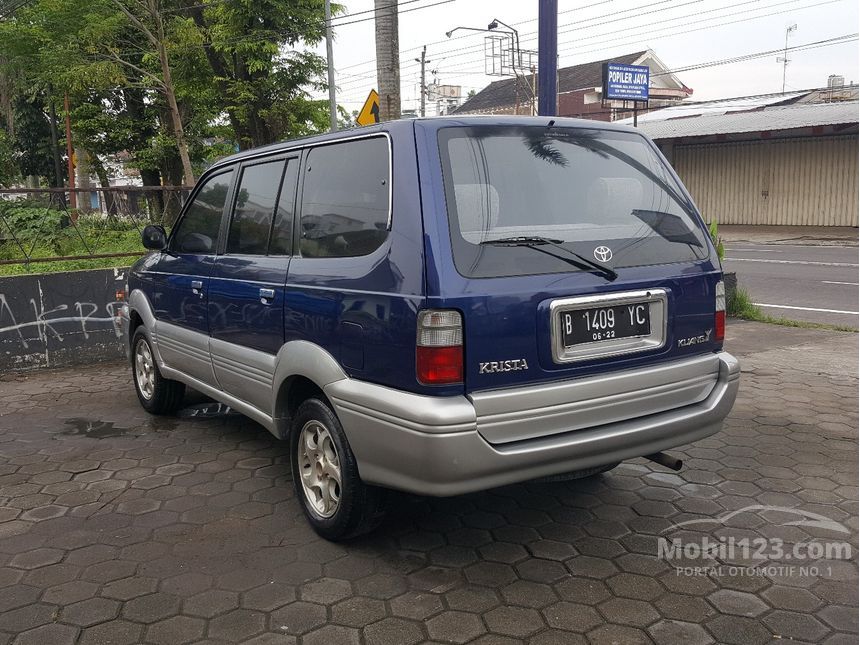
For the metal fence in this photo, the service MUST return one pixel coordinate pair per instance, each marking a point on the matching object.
(58, 224)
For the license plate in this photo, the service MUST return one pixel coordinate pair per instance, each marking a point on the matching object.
(605, 323)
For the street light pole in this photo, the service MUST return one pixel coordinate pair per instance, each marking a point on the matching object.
(547, 57)
(332, 99)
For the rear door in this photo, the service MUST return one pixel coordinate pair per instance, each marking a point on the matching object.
(180, 280)
(575, 252)
(246, 298)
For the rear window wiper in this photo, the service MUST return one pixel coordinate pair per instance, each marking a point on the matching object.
(537, 241)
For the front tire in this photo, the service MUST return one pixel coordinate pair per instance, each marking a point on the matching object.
(157, 395)
(336, 502)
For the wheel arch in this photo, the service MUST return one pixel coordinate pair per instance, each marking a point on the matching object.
(303, 370)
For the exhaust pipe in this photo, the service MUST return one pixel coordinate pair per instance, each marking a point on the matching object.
(665, 460)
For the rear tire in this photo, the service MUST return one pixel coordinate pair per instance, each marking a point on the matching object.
(336, 502)
(157, 395)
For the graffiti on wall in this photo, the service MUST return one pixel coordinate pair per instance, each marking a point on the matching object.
(50, 321)
(60, 319)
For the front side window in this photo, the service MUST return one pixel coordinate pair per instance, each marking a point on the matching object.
(198, 230)
(254, 207)
(523, 199)
(345, 199)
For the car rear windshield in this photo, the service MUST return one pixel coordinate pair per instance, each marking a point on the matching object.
(576, 189)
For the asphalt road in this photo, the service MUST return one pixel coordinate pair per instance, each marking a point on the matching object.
(799, 282)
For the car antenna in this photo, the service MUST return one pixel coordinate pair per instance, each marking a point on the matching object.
(551, 123)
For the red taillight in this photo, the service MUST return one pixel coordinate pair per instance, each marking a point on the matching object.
(439, 347)
(439, 365)
(720, 326)
(720, 313)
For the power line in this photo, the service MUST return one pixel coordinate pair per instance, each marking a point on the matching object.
(457, 69)
(448, 40)
(467, 50)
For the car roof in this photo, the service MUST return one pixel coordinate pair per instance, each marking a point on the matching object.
(433, 122)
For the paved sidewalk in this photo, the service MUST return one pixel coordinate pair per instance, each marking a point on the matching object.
(117, 527)
(808, 235)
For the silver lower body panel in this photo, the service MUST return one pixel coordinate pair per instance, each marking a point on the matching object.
(435, 445)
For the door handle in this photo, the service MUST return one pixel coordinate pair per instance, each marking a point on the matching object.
(266, 295)
(197, 287)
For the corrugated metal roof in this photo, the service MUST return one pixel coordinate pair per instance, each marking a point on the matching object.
(715, 107)
(788, 117)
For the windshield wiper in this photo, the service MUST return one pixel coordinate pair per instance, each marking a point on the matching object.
(536, 242)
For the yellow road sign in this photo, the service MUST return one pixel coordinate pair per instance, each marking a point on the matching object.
(370, 111)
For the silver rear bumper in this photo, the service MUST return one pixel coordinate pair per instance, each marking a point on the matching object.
(452, 445)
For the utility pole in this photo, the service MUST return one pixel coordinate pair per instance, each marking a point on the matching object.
(387, 59)
(70, 151)
(423, 60)
(332, 99)
(548, 57)
(784, 59)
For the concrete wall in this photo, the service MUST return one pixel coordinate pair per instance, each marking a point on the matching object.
(59, 319)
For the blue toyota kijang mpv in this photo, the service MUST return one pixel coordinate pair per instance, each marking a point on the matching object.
(440, 306)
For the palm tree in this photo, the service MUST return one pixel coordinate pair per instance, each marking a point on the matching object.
(387, 59)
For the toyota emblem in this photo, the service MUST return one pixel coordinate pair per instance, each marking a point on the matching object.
(603, 253)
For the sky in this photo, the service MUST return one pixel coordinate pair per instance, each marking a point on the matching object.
(680, 32)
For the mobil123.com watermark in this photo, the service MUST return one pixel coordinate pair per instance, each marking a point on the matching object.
(708, 547)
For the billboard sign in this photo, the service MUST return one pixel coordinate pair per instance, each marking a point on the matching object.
(625, 82)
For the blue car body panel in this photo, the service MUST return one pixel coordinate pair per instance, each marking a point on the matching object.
(363, 310)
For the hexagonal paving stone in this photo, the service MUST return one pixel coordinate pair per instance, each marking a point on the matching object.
(151, 608)
(211, 603)
(237, 625)
(572, 617)
(116, 632)
(529, 594)
(672, 631)
(298, 618)
(269, 596)
(358, 611)
(325, 591)
(738, 603)
(455, 627)
(128, 588)
(332, 634)
(801, 627)
(90, 612)
(626, 611)
(513, 621)
(738, 630)
(417, 605)
(176, 630)
(49, 634)
(36, 558)
(393, 631)
(381, 585)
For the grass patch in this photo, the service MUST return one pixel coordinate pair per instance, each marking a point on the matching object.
(46, 232)
(740, 305)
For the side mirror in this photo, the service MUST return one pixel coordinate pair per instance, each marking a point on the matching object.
(154, 237)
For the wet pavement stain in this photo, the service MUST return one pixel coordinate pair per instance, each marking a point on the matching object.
(94, 429)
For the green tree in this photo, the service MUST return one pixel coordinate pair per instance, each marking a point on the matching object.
(260, 75)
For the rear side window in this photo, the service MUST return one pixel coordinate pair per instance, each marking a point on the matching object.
(198, 230)
(282, 232)
(254, 208)
(345, 199)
